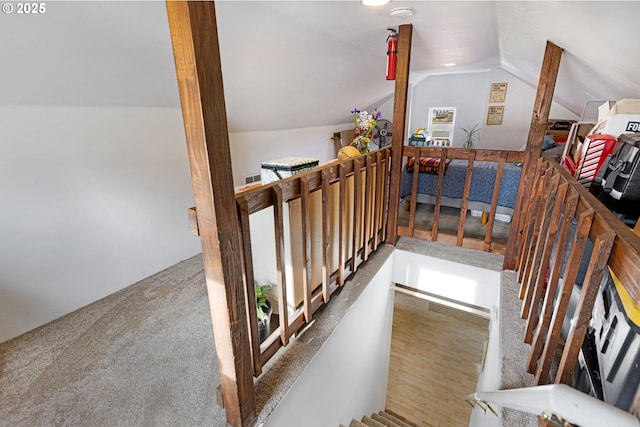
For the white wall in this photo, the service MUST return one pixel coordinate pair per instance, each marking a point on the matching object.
(250, 149)
(464, 283)
(347, 378)
(469, 93)
(93, 200)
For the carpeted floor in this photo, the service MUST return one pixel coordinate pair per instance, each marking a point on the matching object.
(142, 356)
(145, 355)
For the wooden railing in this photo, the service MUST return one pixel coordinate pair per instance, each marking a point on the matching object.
(459, 239)
(334, 217)
(557, 203)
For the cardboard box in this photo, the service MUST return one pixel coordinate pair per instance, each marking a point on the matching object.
(559, 129)
(625, 106)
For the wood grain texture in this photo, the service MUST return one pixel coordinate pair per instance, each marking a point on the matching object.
(597, 264)
(436, 356)
(494, 202)
(194, 38)
(539, 123)
(465, 197)
(579, 241)
(399, 125)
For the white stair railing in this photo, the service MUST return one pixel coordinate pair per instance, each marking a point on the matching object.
(561, 400)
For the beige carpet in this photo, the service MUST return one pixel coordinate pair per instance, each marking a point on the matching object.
(142, 356)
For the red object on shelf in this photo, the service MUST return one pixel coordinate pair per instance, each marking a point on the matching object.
(595, 150)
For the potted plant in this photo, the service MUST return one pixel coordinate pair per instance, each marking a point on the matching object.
(264, 310)
(471, 135)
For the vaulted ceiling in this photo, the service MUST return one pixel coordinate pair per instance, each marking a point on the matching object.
(296, 64)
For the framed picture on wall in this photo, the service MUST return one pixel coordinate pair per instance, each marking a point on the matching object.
(495, 115)
(442, 121)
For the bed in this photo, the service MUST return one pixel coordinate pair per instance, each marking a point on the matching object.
(482, 182)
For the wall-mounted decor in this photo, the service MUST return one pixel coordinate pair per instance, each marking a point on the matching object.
(442, 122)
(498, 92)
(495, 114)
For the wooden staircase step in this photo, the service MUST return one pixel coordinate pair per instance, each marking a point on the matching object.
(399, 422)
(371, 422)
(356, 423)
(384, 421)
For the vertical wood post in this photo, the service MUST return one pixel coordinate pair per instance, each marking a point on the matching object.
(194, 37)
(399, 125)
(539, 122)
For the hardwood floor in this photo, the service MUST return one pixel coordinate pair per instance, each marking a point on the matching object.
(436, 356)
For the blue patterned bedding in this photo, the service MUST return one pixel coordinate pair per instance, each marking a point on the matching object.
(482, 182)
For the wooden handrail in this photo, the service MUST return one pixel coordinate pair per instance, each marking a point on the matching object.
(360, 198)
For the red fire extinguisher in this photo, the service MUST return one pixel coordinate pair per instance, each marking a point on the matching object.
(392, 54)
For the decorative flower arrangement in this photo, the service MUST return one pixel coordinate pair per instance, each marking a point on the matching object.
(365, 128)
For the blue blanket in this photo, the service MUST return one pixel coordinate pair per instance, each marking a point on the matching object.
(482, 182)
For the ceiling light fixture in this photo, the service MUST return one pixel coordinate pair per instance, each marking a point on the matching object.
(448, 64)
(374, 2)
(401, 12)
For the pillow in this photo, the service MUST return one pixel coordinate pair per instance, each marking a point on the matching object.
(427, 164)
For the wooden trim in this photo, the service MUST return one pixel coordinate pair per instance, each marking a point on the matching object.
(539, 123)
(341, 224)
(436, 209)
(377, 201)
(551, 224)
(356, 213)
(597, 264)
(194, 36)
(278, 223)
(386, 202)
(465, 197)
(306, 246)
(326, 230)
(538, 341)
(414, 190)
(535, 244)
(399, 126)
(368, 187)
(527, 230)
(579, 241)
(249, 278)
(494, 203)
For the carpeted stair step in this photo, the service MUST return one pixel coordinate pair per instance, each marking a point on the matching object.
(398, 422)
(371, 422)
(384, 421)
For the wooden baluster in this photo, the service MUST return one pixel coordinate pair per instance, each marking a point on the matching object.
(597, 264)
(528, 207)
(414, 190)
(326, 230)
(530, 229)
(366, 230)
(465, 197)
(585, 219)
(278, 220)
(494, 202)
(247, 258)
(386, 200)
(306, 246)
(357, 165)
(377, 201)
(342, 248)
(534, 248)
(538, 341)
(436, 209)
